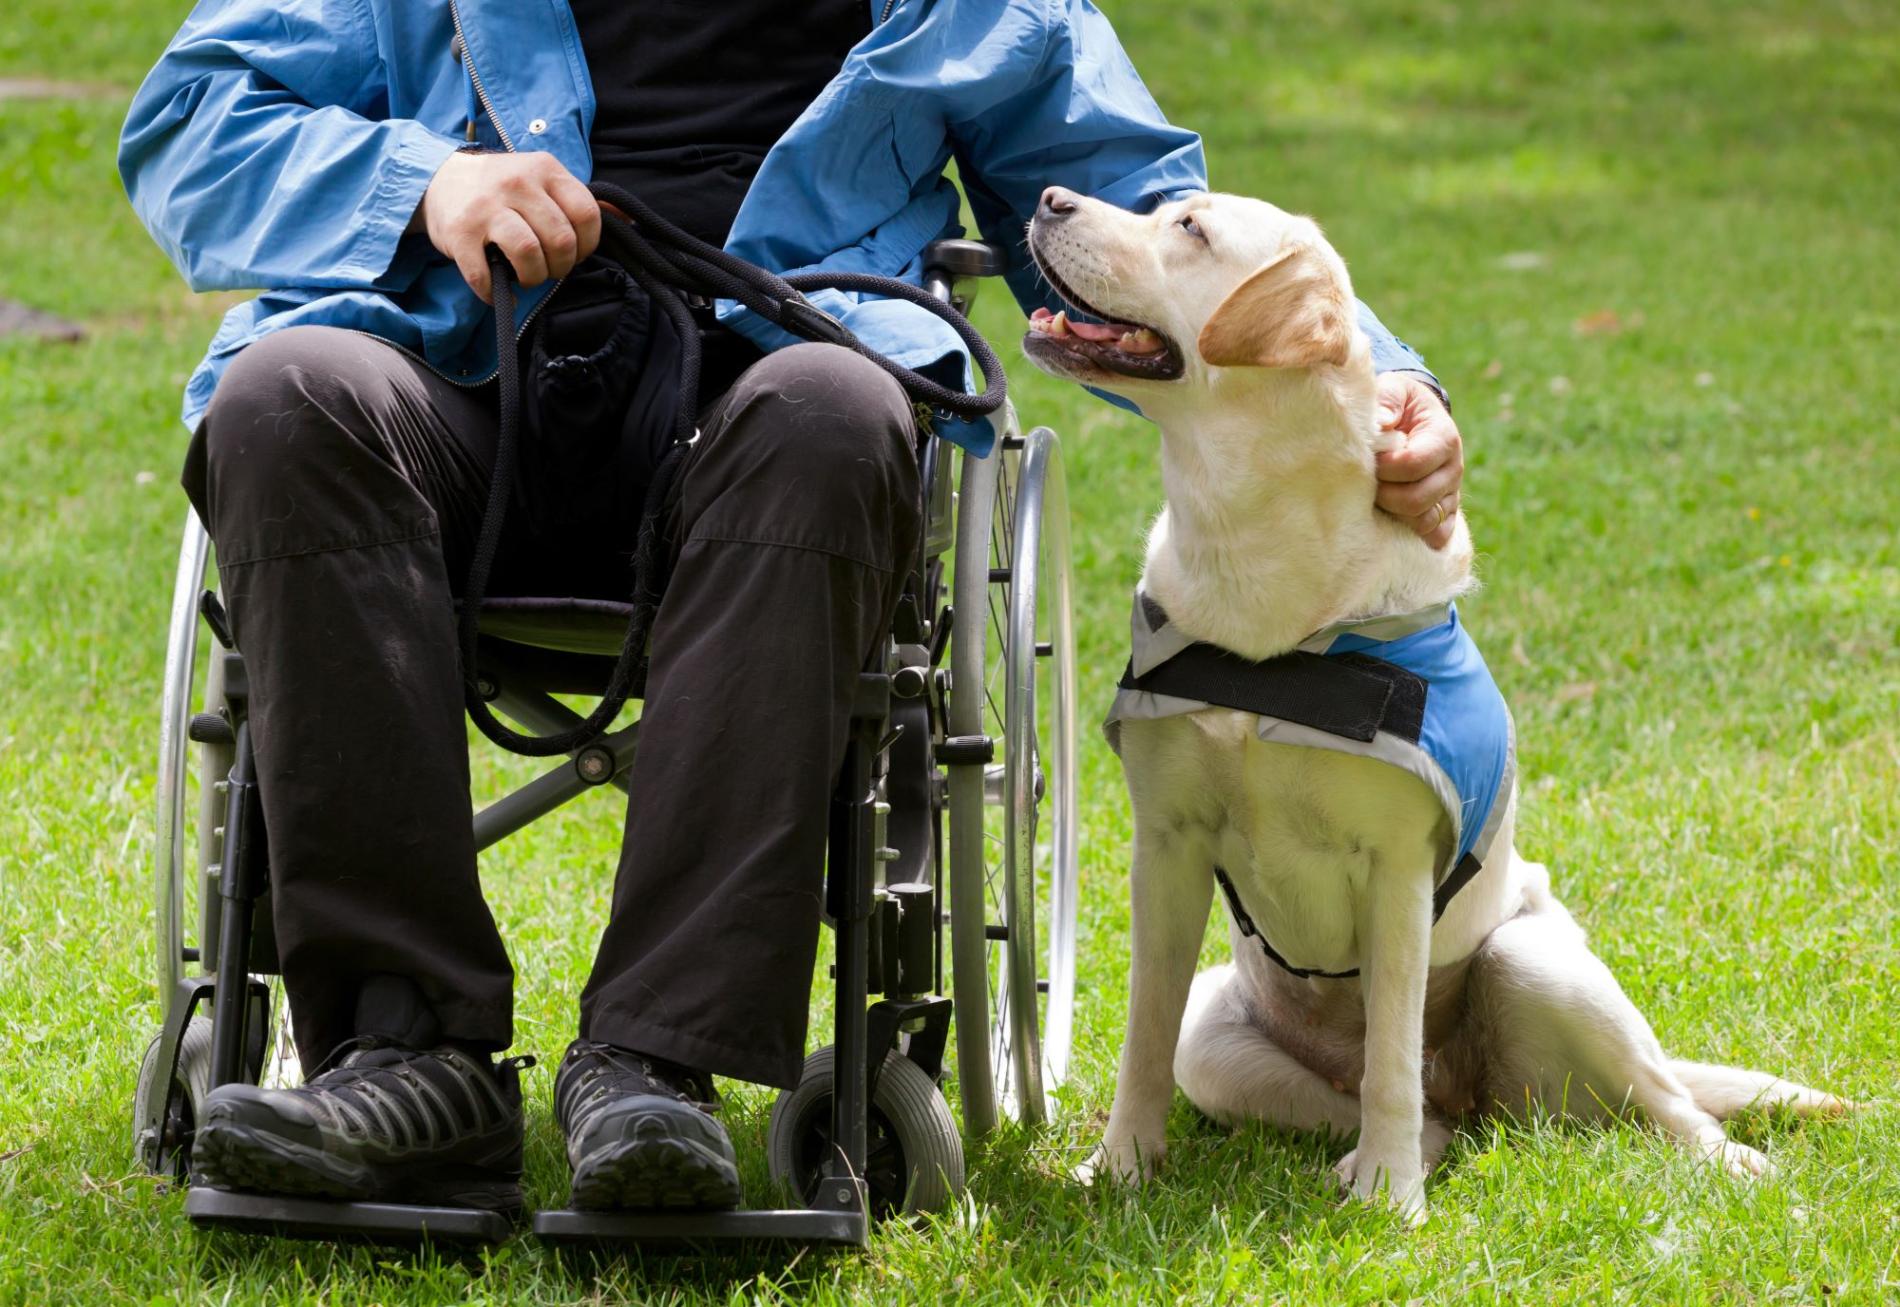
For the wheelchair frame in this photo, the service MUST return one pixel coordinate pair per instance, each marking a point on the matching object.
(923, 747)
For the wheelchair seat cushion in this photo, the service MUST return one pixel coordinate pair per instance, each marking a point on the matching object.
(570, 625)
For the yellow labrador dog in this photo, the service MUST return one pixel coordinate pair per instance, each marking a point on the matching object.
(1396, 963)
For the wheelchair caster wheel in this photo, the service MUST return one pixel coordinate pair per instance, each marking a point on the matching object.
(166, 1149)
(914, 1155)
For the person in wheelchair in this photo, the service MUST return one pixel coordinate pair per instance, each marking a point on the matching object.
(355, 161)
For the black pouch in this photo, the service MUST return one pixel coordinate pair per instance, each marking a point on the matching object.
(599, 408)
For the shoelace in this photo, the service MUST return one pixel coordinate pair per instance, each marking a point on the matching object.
(610, 1072)
(378, 1089)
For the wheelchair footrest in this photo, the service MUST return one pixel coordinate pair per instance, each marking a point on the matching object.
(326, 1218)
(788, 1225)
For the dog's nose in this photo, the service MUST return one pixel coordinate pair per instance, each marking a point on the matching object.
(1056, 203)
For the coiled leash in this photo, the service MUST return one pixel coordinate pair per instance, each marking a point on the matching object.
(666, 262)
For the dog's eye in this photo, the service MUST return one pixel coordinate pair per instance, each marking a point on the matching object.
(1192, 228)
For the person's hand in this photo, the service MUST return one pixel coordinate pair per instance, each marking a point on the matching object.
(1419, 478)
(531, 206)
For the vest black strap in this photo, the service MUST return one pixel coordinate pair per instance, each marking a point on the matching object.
(1468, 866)
(1352, 695)
(1247, 927)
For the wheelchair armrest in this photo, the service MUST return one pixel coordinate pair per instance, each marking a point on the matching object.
(960, 258)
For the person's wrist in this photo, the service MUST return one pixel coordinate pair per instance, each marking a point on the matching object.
(419, 220)
(1431, 383)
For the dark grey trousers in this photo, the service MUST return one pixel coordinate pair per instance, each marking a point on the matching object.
(343, 484)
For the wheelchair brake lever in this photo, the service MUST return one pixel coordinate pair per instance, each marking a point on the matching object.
(212, 610)
(940, 636)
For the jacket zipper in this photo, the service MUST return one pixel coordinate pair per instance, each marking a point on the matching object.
(488, 107)
(481, 94)
(888, 6)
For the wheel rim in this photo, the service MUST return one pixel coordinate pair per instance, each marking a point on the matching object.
(966, 714)
(181, 659)
(154, 1119)
(189, 817)
(1029, 828)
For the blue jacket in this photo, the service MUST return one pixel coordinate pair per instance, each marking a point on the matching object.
(285, 144)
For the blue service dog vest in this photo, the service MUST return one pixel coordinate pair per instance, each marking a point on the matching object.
(1412, 691)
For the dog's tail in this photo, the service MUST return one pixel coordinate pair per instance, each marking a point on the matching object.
(1722, 1091)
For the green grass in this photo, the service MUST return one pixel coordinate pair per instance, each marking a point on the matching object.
(1692, 599)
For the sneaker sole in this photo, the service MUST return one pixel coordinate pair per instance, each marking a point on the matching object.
(229, 1156)
(662, 1172)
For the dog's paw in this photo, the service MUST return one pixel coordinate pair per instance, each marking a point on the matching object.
(1740, 1161)
(1369, 1181)
(1125, 1162)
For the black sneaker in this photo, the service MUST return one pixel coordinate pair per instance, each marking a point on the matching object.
(640, 1132)
(441, 1127)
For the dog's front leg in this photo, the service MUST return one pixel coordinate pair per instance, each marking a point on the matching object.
(1171, 889)
(1397, 929)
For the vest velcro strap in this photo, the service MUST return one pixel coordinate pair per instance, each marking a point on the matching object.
(1351, 695)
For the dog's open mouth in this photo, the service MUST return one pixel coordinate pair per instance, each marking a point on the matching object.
(1128, 349)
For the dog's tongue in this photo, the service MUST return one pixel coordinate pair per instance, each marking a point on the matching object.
(1127, 339)
(1099, 332)
(1095, 331)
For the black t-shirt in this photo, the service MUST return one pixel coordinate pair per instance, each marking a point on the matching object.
(690, 94)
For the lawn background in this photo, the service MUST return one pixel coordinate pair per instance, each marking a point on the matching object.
(1654, 252)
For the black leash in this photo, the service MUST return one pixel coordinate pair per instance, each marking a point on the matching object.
(666, 262)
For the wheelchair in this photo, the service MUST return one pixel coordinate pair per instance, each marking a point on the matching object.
(955, 810)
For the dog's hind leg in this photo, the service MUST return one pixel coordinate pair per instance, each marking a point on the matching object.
(1565, 1036)
(1234, 1072)
(1722, 1091)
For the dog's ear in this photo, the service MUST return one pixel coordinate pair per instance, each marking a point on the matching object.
(1292, 312)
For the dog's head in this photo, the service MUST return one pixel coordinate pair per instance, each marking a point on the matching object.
(1210, 282)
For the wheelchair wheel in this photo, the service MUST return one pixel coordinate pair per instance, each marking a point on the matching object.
(177, 878)
(1013, 866)
(165, 1149)
(187, 850)
(913, 1158)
